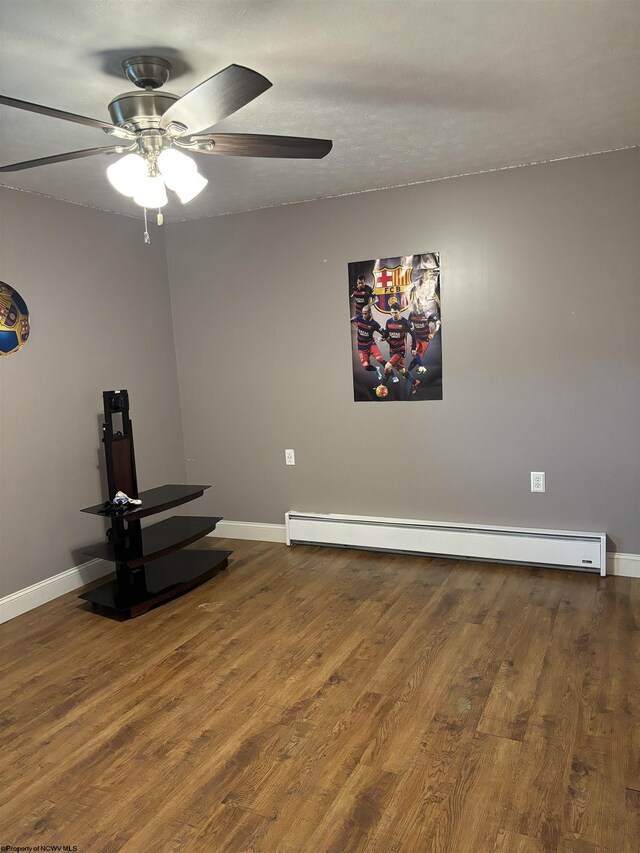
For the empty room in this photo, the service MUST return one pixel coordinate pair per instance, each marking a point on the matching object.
(320, 458)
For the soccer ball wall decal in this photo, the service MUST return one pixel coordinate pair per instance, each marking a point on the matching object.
(14, 320)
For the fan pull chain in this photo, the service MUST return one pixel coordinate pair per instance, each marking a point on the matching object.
(160, 217)
(147, 239)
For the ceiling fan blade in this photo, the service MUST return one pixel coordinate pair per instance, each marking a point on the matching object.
(258, 145)
(60, 158)
(216, 98)
(111, 129)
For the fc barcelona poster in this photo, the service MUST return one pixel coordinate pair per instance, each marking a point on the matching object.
(396, 328)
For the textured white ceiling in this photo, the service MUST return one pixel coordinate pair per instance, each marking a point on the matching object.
(408, 91)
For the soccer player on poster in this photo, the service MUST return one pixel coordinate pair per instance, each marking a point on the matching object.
(396, 332)
(424, 296)
(362, 295)
(420, 325)
(424, 316)
(367, 347)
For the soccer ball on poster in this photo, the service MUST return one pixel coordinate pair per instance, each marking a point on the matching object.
(14, 320)
(396, 328)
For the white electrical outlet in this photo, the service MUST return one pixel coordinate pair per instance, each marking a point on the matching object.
(289, 457)
(537, 481)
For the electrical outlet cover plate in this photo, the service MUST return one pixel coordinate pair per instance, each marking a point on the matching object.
(289, 457)
(537, 481)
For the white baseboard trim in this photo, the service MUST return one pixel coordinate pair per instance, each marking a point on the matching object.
(26, 599)
(250, 530)
(624, 565)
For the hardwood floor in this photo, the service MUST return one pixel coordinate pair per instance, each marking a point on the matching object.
(324, 701)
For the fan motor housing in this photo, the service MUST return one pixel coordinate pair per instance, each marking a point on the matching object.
(140, 110)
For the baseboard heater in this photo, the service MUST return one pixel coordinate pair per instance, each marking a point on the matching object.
(566, 549)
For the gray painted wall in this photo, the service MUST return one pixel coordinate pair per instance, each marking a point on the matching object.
(541, 337)
(101, 319)
(541, 346)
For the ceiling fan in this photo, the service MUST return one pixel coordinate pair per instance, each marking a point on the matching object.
(152, 127)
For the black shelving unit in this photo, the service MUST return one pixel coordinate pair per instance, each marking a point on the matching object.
(151, 565)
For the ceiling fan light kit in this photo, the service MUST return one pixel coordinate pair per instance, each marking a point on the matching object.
(153, 125)
(145, 178)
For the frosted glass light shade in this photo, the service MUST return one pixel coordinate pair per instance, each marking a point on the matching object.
(130, 176)
(127, 174)
(175, 167)
(151, 192)
(190, 186)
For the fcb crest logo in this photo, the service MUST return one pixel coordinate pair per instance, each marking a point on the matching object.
(391, 286)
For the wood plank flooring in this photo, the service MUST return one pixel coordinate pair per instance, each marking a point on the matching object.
(325, 701)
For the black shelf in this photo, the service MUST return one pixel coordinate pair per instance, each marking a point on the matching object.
(153, 501)
(151, 543)
(149, 569)
(171, 576)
